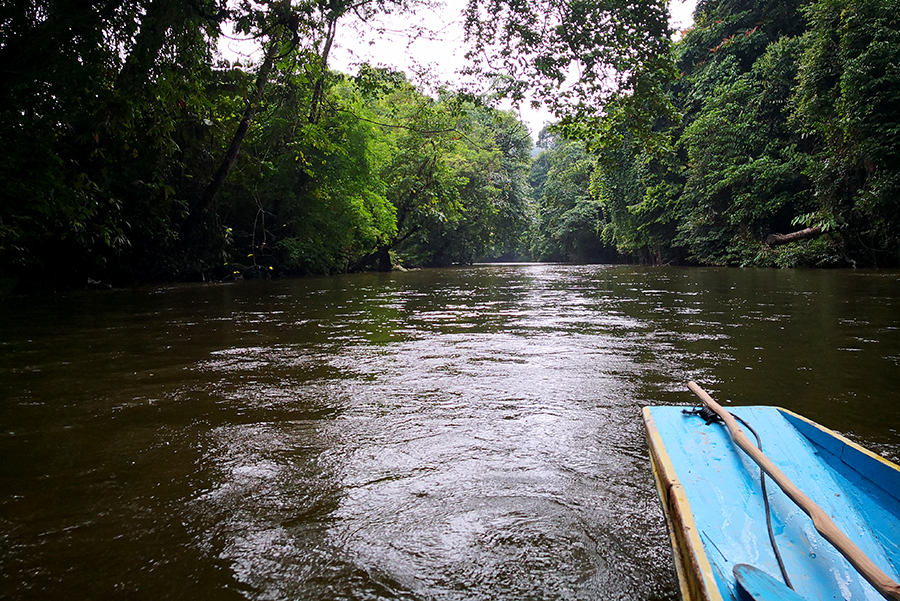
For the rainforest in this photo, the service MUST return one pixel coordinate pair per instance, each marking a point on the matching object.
(767, 134)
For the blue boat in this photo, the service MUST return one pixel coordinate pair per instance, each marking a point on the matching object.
(735, 538)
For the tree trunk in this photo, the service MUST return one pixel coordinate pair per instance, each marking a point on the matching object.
(199, 206)
(149, 41)
(779, 239)
(384, 258)
(319, 87)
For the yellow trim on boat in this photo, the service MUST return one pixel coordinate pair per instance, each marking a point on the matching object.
(680, 570)
(695, 572)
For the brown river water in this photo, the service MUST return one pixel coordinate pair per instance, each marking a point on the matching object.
(469, 433)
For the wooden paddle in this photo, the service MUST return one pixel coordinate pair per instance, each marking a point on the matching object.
(823, 524)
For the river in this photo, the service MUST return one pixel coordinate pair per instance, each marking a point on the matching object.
(469, 433)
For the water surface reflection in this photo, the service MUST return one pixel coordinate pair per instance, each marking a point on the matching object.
(447, 434)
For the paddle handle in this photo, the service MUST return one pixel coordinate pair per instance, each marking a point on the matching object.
(822, 522)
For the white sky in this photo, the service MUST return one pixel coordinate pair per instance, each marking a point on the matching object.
(441, 56)
(429, 58)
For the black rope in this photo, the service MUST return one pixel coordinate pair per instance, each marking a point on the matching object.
(711, 416)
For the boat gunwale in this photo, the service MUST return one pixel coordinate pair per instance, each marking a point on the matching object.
(692, 565)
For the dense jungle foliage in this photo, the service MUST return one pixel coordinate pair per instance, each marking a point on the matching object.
(789, 120)
(133, 151)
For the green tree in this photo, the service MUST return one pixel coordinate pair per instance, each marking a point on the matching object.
(289, 34)
(849, 100)
(736, 170)
(746, 172)
(334, 206)
(600, 66)
(496, 209)
(570, 219)
(94, 96)
(639, 191)
(123, 130)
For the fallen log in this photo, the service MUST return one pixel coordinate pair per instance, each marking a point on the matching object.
(779, 239)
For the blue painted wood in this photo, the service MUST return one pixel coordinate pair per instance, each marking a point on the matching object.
(722, 486)
(880, 473)
(759, 586)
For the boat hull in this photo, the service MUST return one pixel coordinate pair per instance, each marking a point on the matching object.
(716, 514)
